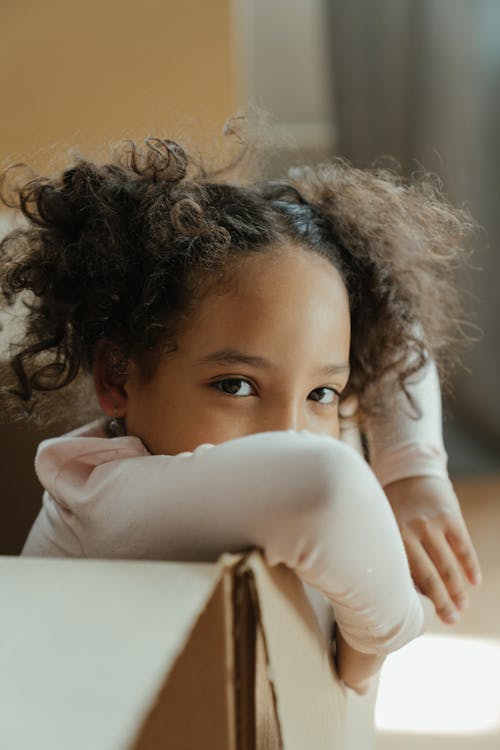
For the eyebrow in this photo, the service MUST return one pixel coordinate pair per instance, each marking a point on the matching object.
(235, 357)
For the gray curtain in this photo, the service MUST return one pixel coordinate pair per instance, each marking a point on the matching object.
(420, 80)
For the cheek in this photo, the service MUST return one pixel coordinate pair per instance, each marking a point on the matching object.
(333, 429)
(335, 432)
(173, 425)
(210, 425)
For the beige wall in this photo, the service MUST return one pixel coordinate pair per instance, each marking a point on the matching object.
(87, 71)
(84, 72)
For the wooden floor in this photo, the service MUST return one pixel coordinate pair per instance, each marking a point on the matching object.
(443, 691)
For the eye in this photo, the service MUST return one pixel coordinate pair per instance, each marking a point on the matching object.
(326, 395)
(231, 386)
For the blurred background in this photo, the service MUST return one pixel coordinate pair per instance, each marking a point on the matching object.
(417, 80)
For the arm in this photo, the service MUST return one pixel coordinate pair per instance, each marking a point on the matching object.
(409, 458)
(402, 447)
(307, 500)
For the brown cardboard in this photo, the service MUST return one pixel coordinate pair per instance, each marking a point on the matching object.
(136, 655)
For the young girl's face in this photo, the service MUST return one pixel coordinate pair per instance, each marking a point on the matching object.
(272, 354)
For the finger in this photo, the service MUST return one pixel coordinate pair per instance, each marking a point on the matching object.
(459, 540)
(439, 551)
(429, 581)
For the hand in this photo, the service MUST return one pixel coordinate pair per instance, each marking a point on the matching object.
(354, 668)
(437, 543)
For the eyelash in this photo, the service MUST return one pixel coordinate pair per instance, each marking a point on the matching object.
(244, 380)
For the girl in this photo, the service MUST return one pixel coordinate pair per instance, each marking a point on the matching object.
(228, 329)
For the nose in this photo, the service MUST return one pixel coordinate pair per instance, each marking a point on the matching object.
(285, 416)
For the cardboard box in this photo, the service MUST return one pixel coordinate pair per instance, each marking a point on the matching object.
(138, 655)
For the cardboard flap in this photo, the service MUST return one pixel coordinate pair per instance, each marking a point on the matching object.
(314, 709)
(85, 645)
(137, 655)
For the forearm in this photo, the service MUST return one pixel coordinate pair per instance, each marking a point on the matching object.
(401, 446)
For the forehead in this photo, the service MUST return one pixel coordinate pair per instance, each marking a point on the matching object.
(290, 277)
(288, 300)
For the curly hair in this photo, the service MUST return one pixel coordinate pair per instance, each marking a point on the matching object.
(122, 251)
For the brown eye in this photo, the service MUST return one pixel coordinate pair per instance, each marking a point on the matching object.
(232, 386)
(326, 396)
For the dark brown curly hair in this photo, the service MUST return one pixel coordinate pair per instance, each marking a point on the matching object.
(122, 251)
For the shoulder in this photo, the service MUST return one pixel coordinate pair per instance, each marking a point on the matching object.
(80, 452)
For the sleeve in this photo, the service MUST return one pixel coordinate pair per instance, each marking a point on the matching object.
(401, 446)
(52, 534)
(308, 501)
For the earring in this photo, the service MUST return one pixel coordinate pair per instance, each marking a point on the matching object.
(115, 426)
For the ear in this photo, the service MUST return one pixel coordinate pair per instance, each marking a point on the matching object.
(110, 375)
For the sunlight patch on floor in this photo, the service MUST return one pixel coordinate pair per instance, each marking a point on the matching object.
(441, 684)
